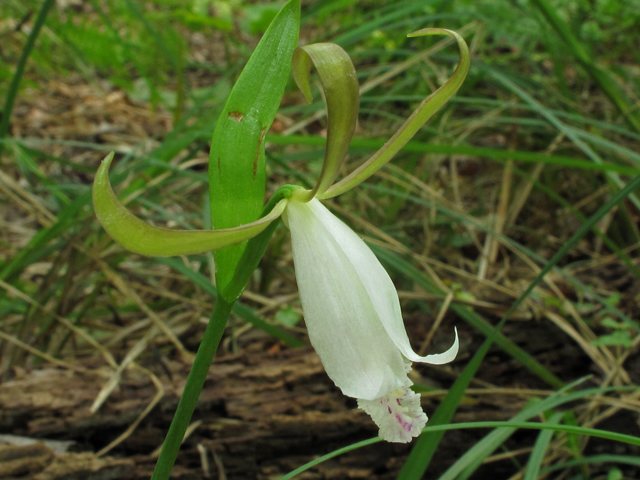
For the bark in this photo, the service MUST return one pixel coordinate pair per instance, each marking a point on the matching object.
(261, 415)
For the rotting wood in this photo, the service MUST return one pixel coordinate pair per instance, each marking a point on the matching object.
(262, 415)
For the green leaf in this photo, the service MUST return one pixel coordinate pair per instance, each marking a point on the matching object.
(615, 474)
(195, 20)
(237, 172)
(540, 449)
(619, 338)
(611, 323)
(614, 299)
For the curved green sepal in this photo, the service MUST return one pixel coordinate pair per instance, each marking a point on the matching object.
(340, 85)
(140, 237)
(420, 115)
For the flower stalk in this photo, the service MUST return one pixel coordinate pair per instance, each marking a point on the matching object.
(193, 387)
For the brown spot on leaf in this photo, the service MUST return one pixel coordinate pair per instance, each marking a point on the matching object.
(237, 116)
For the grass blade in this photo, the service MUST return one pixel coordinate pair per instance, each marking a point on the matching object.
(363, 144)
(580, 51)
(17, 76)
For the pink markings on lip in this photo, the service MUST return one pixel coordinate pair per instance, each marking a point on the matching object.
(405, 425)
(398, 414)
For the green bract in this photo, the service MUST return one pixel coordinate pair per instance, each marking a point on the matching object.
(237, 170)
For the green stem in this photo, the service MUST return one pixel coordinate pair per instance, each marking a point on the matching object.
(255, 248)
(15, 81)
(192, 389)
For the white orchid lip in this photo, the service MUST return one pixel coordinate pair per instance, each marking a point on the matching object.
(398, 414)
(353, 317)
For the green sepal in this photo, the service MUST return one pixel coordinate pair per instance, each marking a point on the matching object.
(427, 108)
(139, 237)
(340, 85)
(237, 171)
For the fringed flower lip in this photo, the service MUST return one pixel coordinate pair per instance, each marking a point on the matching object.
(352, 312)
(351, 306)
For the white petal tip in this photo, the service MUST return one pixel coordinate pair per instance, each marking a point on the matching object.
(398, 414)
(438, 358)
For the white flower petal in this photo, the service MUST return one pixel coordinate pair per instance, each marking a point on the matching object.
(435, 358)
(384, 297)
(398, 414)
(334, 270)
(381, 291)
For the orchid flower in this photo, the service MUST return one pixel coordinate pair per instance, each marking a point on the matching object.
(351, 307)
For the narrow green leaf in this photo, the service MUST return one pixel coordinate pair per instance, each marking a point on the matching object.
(620, 459)
(540, 449)
(22, 62)
(237, 171)
(364, 144)
(592, 432)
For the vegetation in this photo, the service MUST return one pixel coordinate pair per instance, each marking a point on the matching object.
(512, 214)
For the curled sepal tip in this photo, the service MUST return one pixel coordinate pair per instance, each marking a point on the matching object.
(416, 120)
(340, 86)
(140, 237)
